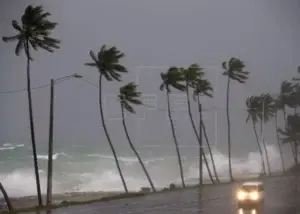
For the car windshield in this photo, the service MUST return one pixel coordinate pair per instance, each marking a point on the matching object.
(249, 188)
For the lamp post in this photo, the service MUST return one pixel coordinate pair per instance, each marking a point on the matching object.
(50, 146)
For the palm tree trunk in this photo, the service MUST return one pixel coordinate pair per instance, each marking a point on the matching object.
(196, 133)
(108, 137)
(32, 132)
(265, 147)
(278, 142)
(135, 151)
(200, 156)
(260, 149)
(175, 140)
(6, 198)
(228, 134)
(207, 141)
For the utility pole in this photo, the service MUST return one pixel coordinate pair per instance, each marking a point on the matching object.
(50, 147)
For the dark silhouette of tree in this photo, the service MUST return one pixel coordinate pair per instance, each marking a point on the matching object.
(33, 33)
(267, 109)
(193, 76)
(234, 70)
(285, 100)
(253, 109)
(291, 133)
(276, 110)
(6, 198)
(128, 95)
(173, 78)
(107, 61)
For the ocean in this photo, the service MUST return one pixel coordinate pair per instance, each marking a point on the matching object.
(81, 169)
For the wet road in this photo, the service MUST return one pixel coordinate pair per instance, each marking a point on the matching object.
(281, 197)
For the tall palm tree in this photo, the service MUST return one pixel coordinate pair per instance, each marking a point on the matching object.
(286, 89)
(33, 33)
(6, 198)
(192, 74)
(107, 61)
(128, 95)
(253, 109)
(234, 70)
(276, 109)
(291, 133)
(267, 107)
(203, 87)
(173, 78)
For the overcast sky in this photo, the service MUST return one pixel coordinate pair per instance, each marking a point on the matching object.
(154, 35)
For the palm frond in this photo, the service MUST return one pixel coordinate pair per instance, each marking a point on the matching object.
(107, 60)
(202, 87)
(34, 29)
(128, 94)
(234, 69)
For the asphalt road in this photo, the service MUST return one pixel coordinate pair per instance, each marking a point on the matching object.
(281, 197)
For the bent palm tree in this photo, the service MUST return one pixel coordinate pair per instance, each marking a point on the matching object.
(191, 74)
(193, 77)
(128, 96)
(291, 133)
(276, 109)
(109, 67)
(173, 78)
(204, 88)
(253, 109)
(266, 113)
(286, 89)
(234, 70)
(34, 33)
(6, 198)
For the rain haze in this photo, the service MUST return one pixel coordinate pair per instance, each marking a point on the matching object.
(154, 35)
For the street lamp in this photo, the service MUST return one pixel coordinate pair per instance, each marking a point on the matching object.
(50, 149)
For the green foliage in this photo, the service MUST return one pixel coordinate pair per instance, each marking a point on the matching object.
(253, 104)
(234, 69)
(34, 32)
(202, 87)
(107, 61)
(129, 95)
(267, 107)
(260, 108)
(192, 74)
(172, 78)
(291, 133)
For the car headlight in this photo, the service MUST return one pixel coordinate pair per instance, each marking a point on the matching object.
(241, 195)
(254, 196)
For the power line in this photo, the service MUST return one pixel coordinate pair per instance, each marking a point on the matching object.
(22, 90)
(47, 85)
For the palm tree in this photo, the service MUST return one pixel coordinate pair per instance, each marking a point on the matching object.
(286, 89)
(276, 109)
(108, 64)
(253, 109)
(291, 133)
(267, 107)
(234, 70)
(192, 74)
(33, 33)
(128, 95)
(203, 87)
(6, 198)
(173, 78)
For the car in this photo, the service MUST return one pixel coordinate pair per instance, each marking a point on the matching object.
(250, 194)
